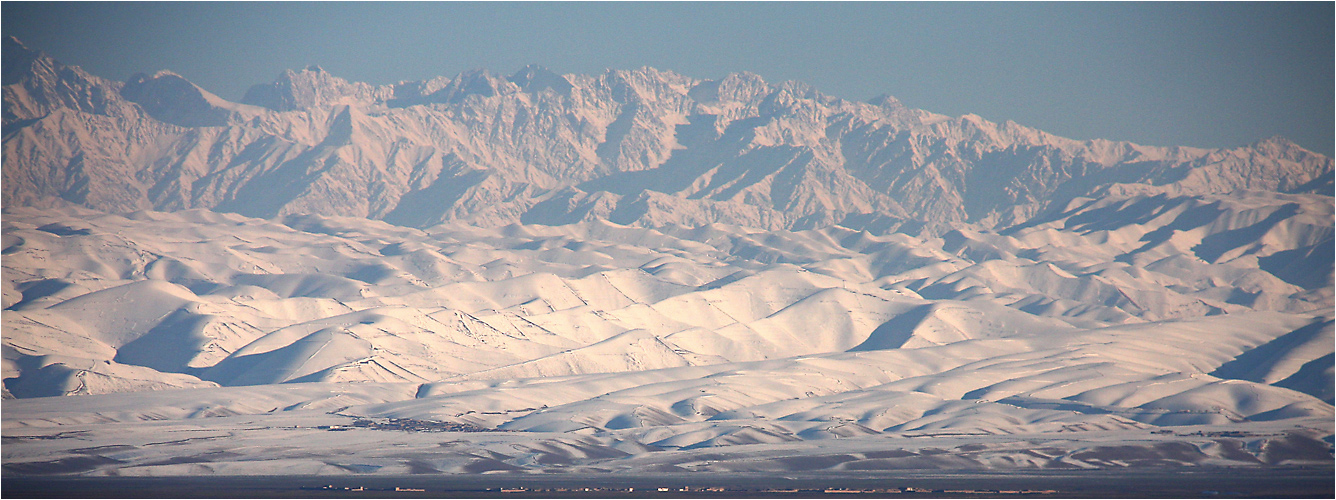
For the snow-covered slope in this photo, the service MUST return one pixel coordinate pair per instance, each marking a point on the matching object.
(1140, 320)
(638, 271)
(642, 147)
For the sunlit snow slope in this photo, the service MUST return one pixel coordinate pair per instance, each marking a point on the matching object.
(642, 147)
(655, 346)
(193, 286)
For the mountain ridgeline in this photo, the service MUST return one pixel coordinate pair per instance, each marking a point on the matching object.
(643, 147)
(640, 272)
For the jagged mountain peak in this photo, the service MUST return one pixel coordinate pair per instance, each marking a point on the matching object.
(479, 81)
(312, 87)
(646, 74)
(886, 101)
(742, 87)
(642, 146)
(171, 98)
(536, 78)
(36, 85)
(1278, 145)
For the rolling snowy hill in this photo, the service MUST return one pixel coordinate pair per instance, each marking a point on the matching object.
(639, 272)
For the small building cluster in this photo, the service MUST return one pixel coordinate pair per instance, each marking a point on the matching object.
(415, 425)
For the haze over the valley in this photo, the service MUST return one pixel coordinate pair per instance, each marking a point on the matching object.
(639, 271)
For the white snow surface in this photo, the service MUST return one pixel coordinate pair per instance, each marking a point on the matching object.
(638, 272)
(638, 147)
(601, 347)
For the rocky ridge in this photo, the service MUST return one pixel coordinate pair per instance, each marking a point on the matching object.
(641, 147)
(970, 295)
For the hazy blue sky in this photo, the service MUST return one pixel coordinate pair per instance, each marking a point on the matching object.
(1195, 74)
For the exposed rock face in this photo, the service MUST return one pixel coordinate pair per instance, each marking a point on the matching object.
(643, 147)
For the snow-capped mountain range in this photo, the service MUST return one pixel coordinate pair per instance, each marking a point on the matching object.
(639, 272)
(643, 147)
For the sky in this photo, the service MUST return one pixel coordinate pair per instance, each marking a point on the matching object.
(1164, 74)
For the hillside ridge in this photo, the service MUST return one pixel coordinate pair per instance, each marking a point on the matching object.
(643, 147)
